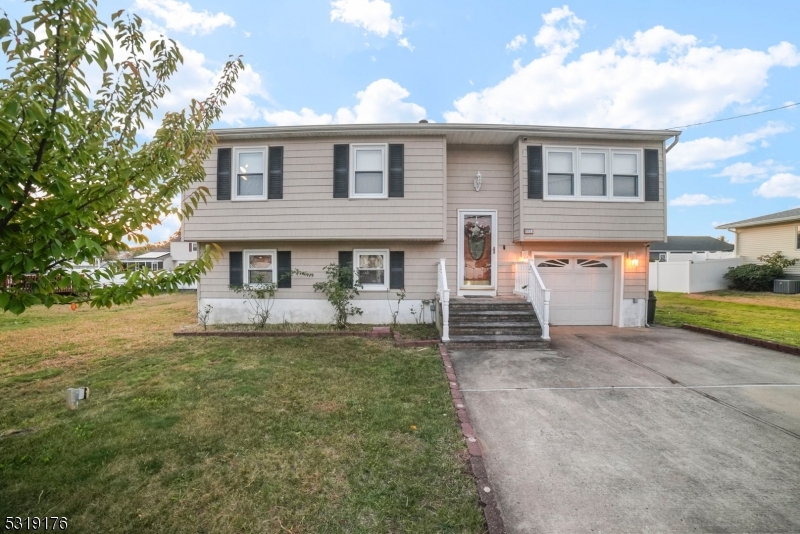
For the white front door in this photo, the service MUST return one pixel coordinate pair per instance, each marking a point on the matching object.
(581, 288)
(477, 252)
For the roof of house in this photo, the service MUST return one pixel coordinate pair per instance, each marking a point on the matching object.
(691, 243)
(472, 134)
(152, 255)
(772, 218)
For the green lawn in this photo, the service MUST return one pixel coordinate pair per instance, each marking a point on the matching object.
(208, 435)
(760, 315)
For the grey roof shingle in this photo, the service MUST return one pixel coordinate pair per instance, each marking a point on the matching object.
(788, 215)
(691, 243)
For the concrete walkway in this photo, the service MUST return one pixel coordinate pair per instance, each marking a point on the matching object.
(638, 430)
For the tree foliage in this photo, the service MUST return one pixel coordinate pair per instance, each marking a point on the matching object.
(76, 177)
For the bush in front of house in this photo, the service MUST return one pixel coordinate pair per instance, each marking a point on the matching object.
(753, 277)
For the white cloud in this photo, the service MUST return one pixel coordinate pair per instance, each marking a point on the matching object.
(780, 185)
(703, 153)
(180, 16)
(375, 16)
(656, 79)
(517, 42)
(698, 200)
(382, 101)
(744, 172)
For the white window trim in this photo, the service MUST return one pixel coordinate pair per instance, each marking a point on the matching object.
(797, 237)
(576, 170)
(246, 267)
(385, 150)
(192, 246)
(386, 273)
(235, 174)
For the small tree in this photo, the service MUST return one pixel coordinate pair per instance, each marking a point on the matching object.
(723, 239)
(340, 290)
(401, 295)
(76, 179)
(777, 259)
(260, 297)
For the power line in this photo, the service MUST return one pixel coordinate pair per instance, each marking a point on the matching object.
(736, 117)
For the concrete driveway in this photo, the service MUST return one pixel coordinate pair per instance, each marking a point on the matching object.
(638, 430)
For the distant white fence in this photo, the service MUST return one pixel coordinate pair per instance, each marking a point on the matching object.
(695, 256)
(690, 276)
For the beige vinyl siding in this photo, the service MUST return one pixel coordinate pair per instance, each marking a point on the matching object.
(585, 220)
(516, 191)
(758, 241)
(313, 256)
(634, 278)
(308, 210)
(495, 165)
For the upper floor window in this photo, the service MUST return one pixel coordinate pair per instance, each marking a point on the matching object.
(249, 165)
(595, 174)
(368, 178)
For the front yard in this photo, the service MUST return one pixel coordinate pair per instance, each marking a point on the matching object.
(768, 316)
(208, 435)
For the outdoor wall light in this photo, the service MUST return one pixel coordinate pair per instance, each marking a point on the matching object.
(633, 258)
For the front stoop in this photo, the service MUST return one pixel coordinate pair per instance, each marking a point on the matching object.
(490, 323)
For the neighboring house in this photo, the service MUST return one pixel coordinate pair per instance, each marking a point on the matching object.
(182, 252)
(768, 234)
(154, 260)
(687, 244)
(578, 205)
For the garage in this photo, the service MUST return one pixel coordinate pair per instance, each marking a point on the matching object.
(582, 289)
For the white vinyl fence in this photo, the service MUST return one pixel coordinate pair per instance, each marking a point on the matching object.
(690, 276)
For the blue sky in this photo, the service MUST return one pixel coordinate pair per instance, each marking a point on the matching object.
(615, 64)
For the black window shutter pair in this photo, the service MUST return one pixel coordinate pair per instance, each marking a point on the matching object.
(274, 173)
(236, 266)
(536, 174)
(396, 268)
(341, 171)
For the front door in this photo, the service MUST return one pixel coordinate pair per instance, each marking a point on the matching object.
(477, 252)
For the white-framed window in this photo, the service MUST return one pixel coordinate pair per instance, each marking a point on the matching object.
(798, 238)
(371, 269)
(369, 173)
(192, 247)
(260, 267)
(250, 176)
(593, 174)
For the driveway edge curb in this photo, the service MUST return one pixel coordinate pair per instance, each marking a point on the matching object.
(780, 347)
(486, 494)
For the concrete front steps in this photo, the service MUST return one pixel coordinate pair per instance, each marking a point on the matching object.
(494, 323)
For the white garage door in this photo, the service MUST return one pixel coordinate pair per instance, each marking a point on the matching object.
(582, 289)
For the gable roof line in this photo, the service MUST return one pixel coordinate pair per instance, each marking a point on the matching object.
(772, 218)
(441, 129)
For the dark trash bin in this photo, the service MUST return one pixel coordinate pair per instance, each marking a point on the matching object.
(651, 308)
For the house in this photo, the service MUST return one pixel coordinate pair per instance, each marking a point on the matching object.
(155, 260)
(182, 252)
(489, 206)
(687, 244)
(768, 234)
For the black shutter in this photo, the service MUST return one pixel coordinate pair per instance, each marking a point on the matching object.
(535, 172)
(396, 270)
(235, 265)
(396, 168)
(275, 189)
(341, 171)
(651, 175)
(284, 268)
(346, 260)
(224, 173)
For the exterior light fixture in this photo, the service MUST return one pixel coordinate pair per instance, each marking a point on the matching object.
(478, 181)
(633, 258)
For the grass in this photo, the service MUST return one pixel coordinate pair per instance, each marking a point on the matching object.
(224, 435)
(767, 316)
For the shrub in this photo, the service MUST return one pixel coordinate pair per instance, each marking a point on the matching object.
(340, 290)
(777, 259)
(752, 277)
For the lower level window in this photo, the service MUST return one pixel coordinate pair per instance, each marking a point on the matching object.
(260, 266)
(372, 269)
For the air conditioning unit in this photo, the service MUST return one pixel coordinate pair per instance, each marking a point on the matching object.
(790, 287)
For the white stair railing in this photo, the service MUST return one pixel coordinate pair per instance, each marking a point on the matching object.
(443, 294)
(528, 283)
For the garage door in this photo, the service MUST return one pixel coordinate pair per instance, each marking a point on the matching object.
(582, 289)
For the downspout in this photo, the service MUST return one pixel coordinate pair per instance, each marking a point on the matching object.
(675, 142)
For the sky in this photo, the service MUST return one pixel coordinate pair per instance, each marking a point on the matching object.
(614, 64)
